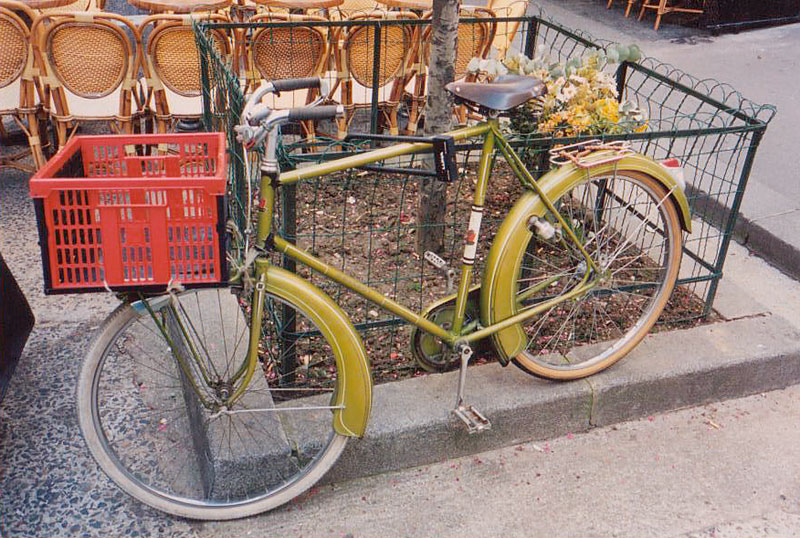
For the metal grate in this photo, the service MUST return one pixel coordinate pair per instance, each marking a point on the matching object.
(707, 126)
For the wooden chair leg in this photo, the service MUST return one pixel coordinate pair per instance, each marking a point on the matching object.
(645, 3)
(35, 140)
(662, 8)
(608, 6)
(61, 133)
(628, 8)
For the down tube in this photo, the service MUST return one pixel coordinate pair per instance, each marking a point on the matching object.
(284, 247)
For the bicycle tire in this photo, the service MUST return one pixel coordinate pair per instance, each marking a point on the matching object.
(619, 218)
(145, 426)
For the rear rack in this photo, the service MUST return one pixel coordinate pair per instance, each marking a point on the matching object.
(590, 153)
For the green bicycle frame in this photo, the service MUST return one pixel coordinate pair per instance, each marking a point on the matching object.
(491, 134)
(351, 419)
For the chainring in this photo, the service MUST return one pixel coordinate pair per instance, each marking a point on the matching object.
(429, 351)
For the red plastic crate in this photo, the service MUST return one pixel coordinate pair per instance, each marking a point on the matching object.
(126, 212)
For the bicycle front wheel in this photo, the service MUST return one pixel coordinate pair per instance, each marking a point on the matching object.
(158, 425)
(631, 228)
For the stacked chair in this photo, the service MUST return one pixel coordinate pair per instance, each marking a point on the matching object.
(170, 90)
(358, 73)
(20, 92)
(77, 64)
(506, 31)
(287, 52)
(474, 41)
(90, 63)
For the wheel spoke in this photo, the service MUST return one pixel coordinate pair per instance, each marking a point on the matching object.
(633, 237)
(166, 447)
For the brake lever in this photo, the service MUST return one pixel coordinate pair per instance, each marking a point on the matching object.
(244, 134)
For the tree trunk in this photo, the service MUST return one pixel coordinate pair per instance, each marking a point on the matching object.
(438, 119)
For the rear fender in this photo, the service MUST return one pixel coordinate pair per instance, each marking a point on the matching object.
(498, 289)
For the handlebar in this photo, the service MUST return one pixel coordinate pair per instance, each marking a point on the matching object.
(253, 112)
(316, 113)
(289, 84)
(258, 119)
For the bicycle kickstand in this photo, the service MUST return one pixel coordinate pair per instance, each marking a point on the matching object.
(475, 421)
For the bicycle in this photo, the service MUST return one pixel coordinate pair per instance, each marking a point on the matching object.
(208, 419)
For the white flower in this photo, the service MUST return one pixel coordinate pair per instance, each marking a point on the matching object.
(566, 93)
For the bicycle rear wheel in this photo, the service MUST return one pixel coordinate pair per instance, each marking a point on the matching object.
(632, 230)
(158, 430)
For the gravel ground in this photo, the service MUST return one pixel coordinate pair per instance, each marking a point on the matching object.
(49, 485)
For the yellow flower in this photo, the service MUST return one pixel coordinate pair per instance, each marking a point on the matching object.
(608, 109)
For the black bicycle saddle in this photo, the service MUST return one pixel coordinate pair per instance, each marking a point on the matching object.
(504, 93)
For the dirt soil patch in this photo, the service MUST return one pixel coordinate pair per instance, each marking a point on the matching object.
(364, 223)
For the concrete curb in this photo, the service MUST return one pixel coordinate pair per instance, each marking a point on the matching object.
(769, 245)
(411, 423)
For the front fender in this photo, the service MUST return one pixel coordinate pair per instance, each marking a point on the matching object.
(351, 360)
(498, 289)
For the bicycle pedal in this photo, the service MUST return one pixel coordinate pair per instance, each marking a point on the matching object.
(475, 421)
(436, 260)
(439, 263)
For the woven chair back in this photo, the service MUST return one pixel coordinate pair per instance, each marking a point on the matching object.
(173, 56)
(14, 48)
(397, 44)
(474, 38)
(506, 31)
(287, 52)
(90, 58)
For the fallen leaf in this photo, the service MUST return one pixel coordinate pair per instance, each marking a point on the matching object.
(713, 424)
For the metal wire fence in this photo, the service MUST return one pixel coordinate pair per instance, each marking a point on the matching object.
(364, 220)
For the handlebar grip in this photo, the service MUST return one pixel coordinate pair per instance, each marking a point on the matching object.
(316, 113)
(289, 84)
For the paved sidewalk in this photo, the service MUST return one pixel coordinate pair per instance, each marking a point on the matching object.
(719, 471)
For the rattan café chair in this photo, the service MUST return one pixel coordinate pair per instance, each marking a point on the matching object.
(276, 53)
(354, 63)
(506, 31)
(171, 89)
(662, 7)
(18, 86)
(90, 62)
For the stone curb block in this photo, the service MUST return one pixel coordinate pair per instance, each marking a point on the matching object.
(411, 424)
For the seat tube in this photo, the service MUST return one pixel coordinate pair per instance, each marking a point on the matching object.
(473, 231)
(266, 203)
